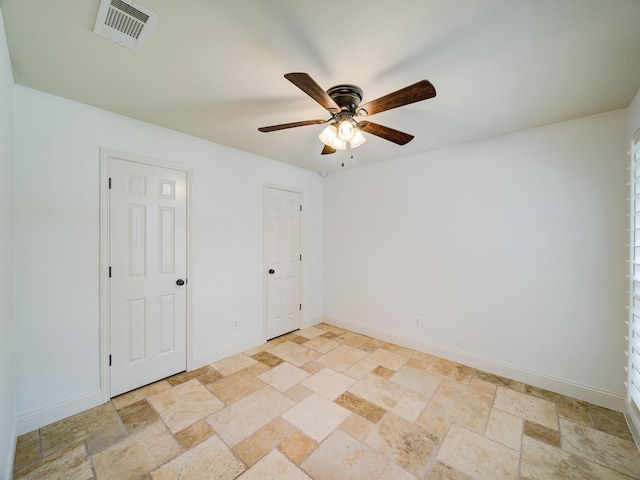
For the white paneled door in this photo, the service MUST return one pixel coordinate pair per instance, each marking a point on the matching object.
(147, 250)
(283, 248)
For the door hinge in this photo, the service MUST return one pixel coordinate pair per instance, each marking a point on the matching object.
(109, 183)
(109, 272)
(300, 257)
(109, 360)
(300, 207)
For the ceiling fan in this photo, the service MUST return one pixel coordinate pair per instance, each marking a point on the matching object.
(343, 103)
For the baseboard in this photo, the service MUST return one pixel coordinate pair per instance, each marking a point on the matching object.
(11, 454)
(582, 392)
(52, 413)
(633, 421)
(226, 351)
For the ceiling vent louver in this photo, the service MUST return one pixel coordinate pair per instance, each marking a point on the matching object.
(125, 22)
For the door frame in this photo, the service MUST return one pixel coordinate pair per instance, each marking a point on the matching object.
(106, 155)
(265, 265)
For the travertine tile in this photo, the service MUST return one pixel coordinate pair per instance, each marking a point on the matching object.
(274, 466)
(211, 459)
(505, 428)
(441, 471)
(137, 416)
(499, 381)
(391, 396)
(26, 455)
(383, 372)
(297, 447)
(294, 354)
(392, 361)
(139, 394)
(27, 439)
(211, 376)
(394, 472)
(331, 328)
(528, 407)
(416, 355)
(137, 454)
(328, 383)
(316, 416)
(321, 344)
(454, 371)
(352, 339)
(362, 407)
(358, 427)
(230, 365)
(298, 392)
(341, 358)
(344, 457)
(418, 380)
(478, 456)
(360, 369)
(61, 434)
(234, 387)
(610, 422)
(194, 434)
(600, 447)
(269, 359)
(404, 442)
(542, 433)
(185, 404)
(311, 332)
(261, 442)
(544, 462)
(106, 438)
(483, 386)
(237, 421)
(284, 376)
(456, 402)
(71, 462)
(186, 376)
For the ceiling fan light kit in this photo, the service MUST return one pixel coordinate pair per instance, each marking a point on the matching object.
(343, 104)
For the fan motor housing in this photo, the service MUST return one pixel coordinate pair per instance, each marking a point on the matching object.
(348, 97)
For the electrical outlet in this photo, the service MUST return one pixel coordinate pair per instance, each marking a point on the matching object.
(418, 322)
(235, 324)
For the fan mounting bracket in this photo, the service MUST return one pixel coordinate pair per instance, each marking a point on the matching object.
(348, 97)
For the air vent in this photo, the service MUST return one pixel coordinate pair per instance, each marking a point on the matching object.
(125, 22)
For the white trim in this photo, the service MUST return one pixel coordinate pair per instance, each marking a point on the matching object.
(265, 267)
(105, 158)
(596, 396)
(47, 415)
(11, 453)
(227, 351)
(633, 422)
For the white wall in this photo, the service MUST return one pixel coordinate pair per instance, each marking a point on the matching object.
(7, 383)
(510, 250)
(57, 189)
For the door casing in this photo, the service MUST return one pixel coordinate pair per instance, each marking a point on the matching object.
(105, 321)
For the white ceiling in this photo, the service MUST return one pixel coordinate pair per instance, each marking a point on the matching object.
(214, 68)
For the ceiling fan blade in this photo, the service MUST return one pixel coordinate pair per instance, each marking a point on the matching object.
(308, 85)
(327, 150)
(417, 92)
(282, 126)
(395, 136)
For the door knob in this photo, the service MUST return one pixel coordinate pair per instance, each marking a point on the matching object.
(271, 271)
(180, 282)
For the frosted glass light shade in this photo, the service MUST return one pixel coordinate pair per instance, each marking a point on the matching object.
(358, 139)
(346, 130)
(329, 136)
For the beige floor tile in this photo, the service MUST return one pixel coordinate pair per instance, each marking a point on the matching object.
(416, 355)
(139, 394)
(185, 404)
(72, 462)
(137, 454)
(298, 392)
(610, 422)
(237, 421)
(137, 416)
(394, 472)
(343, 457)
(352, 339)
(456, 402)
(274, 466)
(385, 358)
(358, 427)
(478, 456)
(390, 396)
(331, 328)
(284, 376)
(418, 380)
(297, 447)
(194, 434)
(261, 442)
(441, 471)
(328, 383)
(341, 358)
(106, 438)
(321, 344)
(294, 354)
(528, 407)
(360, 406)
(360, 369)
(231, 365)
(61, 434)
(601, 447)
(405, 443)
(454, 371)
(499, 381)
(211, 459)
(316, 416)
(544, 462)
(483, 386)
(505, 428)
(186, 376)
(542, 433)
(28, 454)
(312, 367)
(267, 359)
(236, 386)
(311, 332)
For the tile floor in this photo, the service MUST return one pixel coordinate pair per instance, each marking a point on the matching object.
(325, 403)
